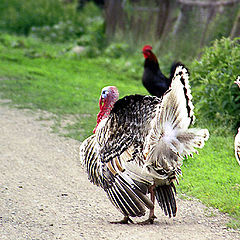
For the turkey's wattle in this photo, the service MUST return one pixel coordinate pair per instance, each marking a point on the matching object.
(109, 95)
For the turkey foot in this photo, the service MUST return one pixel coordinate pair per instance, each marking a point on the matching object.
(125, 220)
(150, 220)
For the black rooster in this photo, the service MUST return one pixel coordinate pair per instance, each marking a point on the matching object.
(153, 79)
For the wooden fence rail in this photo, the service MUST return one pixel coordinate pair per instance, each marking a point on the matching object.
(208, 4)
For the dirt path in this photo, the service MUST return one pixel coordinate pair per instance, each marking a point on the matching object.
(45, 194)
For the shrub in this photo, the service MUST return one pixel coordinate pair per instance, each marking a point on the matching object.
(94, 32)
(116, 50)
(216, 96)
(19, 16)
(60, 32)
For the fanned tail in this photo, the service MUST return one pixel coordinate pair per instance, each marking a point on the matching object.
(127, 197)
(166, 198)
(170, 138)
(173, 69)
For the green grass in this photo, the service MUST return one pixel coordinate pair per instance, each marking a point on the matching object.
(42, 76)
(214, 176)
(45, 76)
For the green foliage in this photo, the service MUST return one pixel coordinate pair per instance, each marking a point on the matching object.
(213, 176)
(94, 32)
(85, 28)
(60, 32)
(116, 50)
(19, 16)
(216, 96)
(55, 21)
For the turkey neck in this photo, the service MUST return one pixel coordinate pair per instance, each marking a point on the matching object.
(105, 111)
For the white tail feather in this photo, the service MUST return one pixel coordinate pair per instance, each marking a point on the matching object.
(237, 146)
(170, 138)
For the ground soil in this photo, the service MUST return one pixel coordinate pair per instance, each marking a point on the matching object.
(45, 193)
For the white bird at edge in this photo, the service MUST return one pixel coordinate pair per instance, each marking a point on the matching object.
(138, 146)
(237, 81)
(237, 137)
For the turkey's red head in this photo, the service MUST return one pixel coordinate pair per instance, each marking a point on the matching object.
(108, 97)
(147, 51)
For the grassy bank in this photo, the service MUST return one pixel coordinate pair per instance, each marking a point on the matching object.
(51, 77)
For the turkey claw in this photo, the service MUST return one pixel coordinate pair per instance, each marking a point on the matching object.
(125, 220)
(150, 220)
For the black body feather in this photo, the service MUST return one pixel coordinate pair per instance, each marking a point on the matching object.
(165, 196)
(154, 80)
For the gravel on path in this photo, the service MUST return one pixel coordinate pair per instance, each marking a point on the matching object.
(45, 193)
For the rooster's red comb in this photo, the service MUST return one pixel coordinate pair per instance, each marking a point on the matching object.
(147, 47)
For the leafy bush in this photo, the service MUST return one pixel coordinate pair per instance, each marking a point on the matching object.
(87, 27)
(94, 32)
(116, 50)
(216, 96)
(60, 32)
(19, 16)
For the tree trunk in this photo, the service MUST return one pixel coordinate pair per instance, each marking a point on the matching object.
(167, 19)
(114, 16)
(211, 14)
(162, 17)
(236, 27)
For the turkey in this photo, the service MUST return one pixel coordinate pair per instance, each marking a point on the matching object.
(139, 145)
(153, 79)
(237, 138)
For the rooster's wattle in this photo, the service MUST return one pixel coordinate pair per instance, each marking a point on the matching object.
(138, 147)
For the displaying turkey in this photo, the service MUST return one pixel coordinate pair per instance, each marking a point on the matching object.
(153, 79)
(237, 138)
(139, 145)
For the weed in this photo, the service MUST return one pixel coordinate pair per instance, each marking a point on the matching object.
(235, 224)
